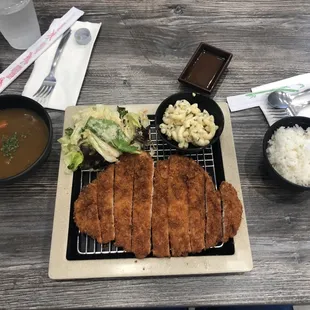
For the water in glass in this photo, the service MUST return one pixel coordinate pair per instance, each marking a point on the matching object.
(19, 23)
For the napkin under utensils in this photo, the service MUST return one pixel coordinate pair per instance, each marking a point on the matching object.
(258, 97)
(70, 71)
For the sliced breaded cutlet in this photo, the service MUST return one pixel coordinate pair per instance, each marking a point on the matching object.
(232, 210)
(197, 206)
(86, 212)
(105, 203)
(178, 206)
(214, 232)
(123, 196)
(160, 232)
(142, 205)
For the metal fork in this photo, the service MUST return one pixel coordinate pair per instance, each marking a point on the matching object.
(49, 82)
(277, 114)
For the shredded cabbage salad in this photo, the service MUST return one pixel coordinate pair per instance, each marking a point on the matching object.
(101, 134)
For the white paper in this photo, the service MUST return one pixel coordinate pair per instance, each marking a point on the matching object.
(70, 71)
(246, 101)
(301, 82)
(258, 97)
(303, 79)
(273, 115)
(38, 48)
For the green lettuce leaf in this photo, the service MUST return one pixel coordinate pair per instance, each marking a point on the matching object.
(109, 153)
(73, 160)
(111, 133)
(121, 111)
(69, 131)
(133, 119)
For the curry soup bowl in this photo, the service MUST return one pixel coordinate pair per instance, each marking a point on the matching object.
(26, 135)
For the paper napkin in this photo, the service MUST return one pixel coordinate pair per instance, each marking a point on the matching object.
(70, 71)
(303, 80)
(57, 28)
(258, 97)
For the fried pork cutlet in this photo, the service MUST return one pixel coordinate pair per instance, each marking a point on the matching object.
(214, 214)
(105, 187)
(178, 206)
(123, 196)
(232, 210)
(160, 232)
(142, 205)
(86, 212)
(197, 207)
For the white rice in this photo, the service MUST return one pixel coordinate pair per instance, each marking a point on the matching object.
(289, 153)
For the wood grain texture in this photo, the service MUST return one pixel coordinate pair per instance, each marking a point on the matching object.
(141, 50)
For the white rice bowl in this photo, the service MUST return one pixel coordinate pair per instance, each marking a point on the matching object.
(288, 151)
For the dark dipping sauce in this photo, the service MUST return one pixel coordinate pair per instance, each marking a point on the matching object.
(205, 69)
(23, 138)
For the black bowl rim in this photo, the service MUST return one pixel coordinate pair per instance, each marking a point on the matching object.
(271, 131)
(192, 149)
(45, 153)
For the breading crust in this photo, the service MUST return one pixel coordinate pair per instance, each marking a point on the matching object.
(142, 205)
(123, 197)
(232, 210)
(106, 203)
(197, 206)
(86, 212)
(214, 214)
(160, 233)
(178, 207)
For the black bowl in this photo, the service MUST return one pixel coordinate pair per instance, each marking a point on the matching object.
(17, 101)
(203, 103)
(303, 122)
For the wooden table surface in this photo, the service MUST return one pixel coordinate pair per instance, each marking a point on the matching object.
(141, 50)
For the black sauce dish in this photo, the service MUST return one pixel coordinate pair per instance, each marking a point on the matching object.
(303, 122)
(203, 102)
(18, 101)
(205, 68)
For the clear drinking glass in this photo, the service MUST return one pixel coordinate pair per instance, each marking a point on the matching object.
(19, 23)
